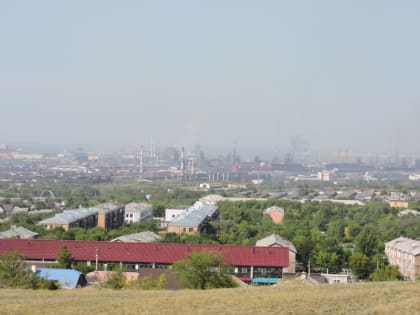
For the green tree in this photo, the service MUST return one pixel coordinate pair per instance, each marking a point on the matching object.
(64, 257)
(305, 248)
(386, 273)
(367, 242)
(360, 265)
(116, 281)
(203, 270)
(14, 274)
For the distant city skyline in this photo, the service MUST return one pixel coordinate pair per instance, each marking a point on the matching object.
(255, 75)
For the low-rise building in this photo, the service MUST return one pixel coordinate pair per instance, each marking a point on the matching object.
(246, 262)
(195, 220)
(275, 240)
(142, 237)
(172, 213)
(137, 212)
(18, 232)
(83, 217)
(67, 278)
(404, 253)
(398, 204)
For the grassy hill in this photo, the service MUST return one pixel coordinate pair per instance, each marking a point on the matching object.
(362, 298)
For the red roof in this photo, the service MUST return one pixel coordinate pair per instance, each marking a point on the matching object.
(145, 252)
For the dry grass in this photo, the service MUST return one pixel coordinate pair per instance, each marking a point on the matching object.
(367, 298)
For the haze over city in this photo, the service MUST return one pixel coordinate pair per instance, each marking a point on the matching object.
(221, 74)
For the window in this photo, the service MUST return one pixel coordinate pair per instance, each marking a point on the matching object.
(190, 229)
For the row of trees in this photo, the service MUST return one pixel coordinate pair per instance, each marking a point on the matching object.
(326, 235)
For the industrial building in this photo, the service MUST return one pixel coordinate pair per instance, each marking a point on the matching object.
(246, 262)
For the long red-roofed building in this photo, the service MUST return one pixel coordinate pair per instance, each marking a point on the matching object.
(247, 262)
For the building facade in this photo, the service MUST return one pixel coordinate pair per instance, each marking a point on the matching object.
(404, 253)
(275, 240)
(110, 216)
(137, 212)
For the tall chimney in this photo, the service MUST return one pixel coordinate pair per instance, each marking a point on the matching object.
(141, 160)
(182, 162)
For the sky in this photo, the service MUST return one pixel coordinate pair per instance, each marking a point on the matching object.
(222, 73)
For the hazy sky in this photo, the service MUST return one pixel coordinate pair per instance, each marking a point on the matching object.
(338, 74)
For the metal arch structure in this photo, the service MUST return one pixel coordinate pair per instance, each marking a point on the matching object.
(47, 191)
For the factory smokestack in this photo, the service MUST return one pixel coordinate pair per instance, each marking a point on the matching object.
(182, 162)
(141, 160)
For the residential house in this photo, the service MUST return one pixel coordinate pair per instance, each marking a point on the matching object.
(18, 232)
(137, 212)
(404, 253)
(275, 240)
(172, 213)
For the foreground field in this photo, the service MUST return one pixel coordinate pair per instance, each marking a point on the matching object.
(366, 298)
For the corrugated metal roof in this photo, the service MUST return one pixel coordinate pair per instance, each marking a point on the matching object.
(275, 239)
(18, 232)
(405, 245)
(142, 237)
(194, 215)
(145, 252)
(68, 278)
(70, 216)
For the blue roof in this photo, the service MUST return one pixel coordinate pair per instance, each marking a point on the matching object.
(68, 278)
(265, 280)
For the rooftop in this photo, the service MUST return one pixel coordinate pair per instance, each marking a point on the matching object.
(137, 207)
(142, 237)
(68, 278)
(18, 232)
(405, 245)
(164, 253)
(194, 215)
(70, 216)
(275, 239)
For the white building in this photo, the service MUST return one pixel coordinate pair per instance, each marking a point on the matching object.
(324, 176)
(137, 212)
(172, 213)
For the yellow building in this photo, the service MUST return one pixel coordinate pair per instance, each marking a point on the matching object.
(398, 204)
